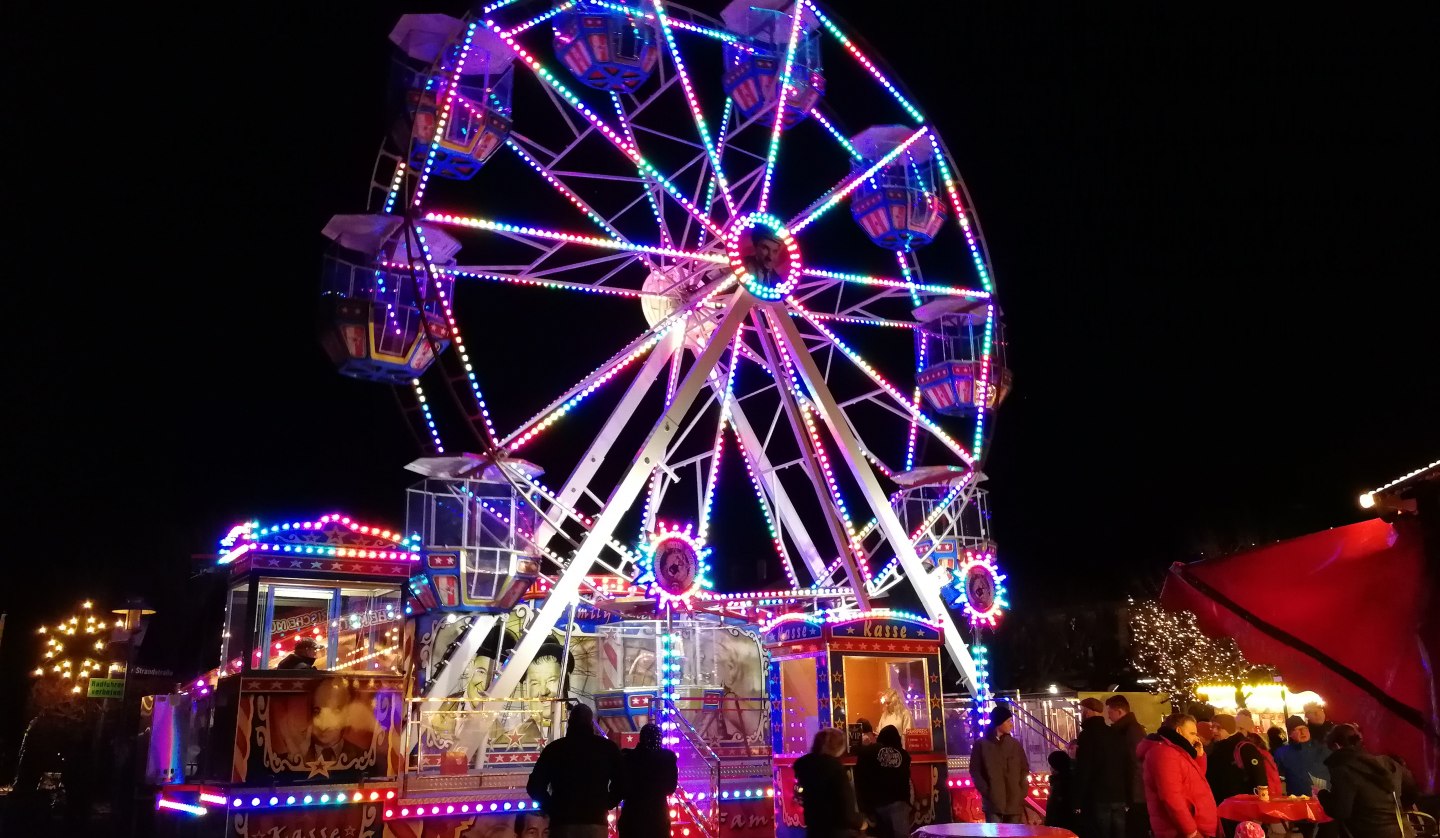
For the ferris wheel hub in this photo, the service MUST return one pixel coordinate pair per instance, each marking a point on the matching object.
(764, 254)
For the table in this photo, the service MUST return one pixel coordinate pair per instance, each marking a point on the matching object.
(1248, 807)
(987, 830)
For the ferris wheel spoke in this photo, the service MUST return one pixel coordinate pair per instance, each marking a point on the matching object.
(577, 483)
(623, 496)
(782, 97)
(865, 62)
(572, 397)
(816, 466)
(870, 489)
(890, 389)
(839, 192)
(523, 231)
(701, 127)
(829, 126)
(646, 168)
(764, 473)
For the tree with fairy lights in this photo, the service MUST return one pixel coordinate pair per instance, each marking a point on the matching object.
(1169, 647)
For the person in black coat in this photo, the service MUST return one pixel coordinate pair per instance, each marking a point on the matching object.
(824, 789)
(1365, 789)
(882, 784)
(1062, 808)
(1102, 779)
(1235, 766)
(648, 777)
(576, 780)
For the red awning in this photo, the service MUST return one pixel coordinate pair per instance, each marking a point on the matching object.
(1349, 613)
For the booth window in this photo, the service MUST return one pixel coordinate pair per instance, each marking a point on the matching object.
(356, 624)
(799, 704)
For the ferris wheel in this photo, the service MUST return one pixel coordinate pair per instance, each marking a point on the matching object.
(617, 235)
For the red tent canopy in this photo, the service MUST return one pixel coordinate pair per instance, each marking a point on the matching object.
(1349, 613)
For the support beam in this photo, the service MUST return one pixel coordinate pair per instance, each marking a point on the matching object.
(579, 480)
(875, 496)
(651, 454)
(770, 345)
(780, 503)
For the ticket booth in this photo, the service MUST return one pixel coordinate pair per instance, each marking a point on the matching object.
(884, 669)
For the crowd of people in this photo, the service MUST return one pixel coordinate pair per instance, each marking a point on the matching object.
(1117, 780)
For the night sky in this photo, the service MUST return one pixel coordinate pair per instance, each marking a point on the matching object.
(1211, 233)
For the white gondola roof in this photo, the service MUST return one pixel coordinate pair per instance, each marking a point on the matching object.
(878, 140)
(424, 37)
(370, 233)
(738, 19)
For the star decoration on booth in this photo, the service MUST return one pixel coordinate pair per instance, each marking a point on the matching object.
(319, 767)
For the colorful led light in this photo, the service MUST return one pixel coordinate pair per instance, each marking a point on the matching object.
(442, 118)
(716, 450)
(838, 194)
(580, 392)
(783, 91)
(885, 385)
(719, 151)
(983, 563)
(865, 62)
(644, 166)
(569, 238)
(175, 805)
(888, 282)
(575, 200)
(250, 536)
(539, 19)
(836, 133)
(429, 417)
(765, 508)
(753, 284)
(648, 572)
(701, 127)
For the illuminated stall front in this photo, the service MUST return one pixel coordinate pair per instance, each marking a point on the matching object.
(302, 717)
(880, 667)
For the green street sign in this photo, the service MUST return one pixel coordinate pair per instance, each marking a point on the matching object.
(106, 688)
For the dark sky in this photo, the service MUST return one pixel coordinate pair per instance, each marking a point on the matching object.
(1211, 229)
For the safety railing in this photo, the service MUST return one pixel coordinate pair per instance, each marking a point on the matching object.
(698, 793)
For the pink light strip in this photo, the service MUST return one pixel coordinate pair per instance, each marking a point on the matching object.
(571, 238)
(885, 385)
(919, 361)
(605, 130)
(551, 284)
(888, 282)
(806, 218)
(782, 97)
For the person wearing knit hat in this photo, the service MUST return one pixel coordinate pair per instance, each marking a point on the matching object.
(1302, 760)
(1093, 705)
(999, 767)
(1235, 765)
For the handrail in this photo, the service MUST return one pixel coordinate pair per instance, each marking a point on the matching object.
(693, 751)
(1038, 725)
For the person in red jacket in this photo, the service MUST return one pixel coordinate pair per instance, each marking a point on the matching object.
(1176, 795)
